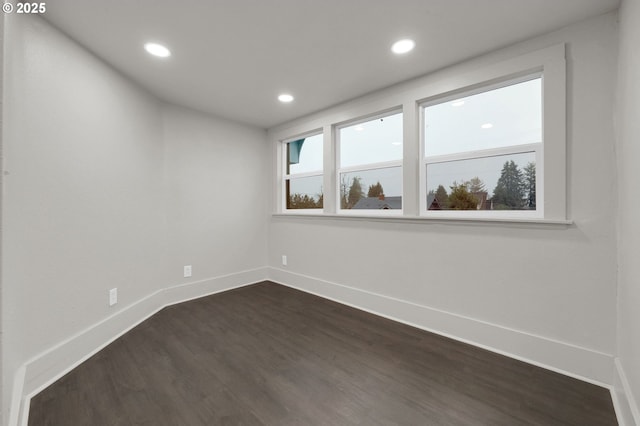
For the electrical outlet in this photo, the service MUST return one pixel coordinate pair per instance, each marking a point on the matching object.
(284, 260)
(113, 296)
(187, 271)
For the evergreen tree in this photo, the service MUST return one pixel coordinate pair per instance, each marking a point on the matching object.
(509, 193)
(344, 191)
(530, 184)
(475, 184)
(461, 199)
(442, 197)
(355, 193)
(375, 190)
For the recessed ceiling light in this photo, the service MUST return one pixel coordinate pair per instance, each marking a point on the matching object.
(457, 103)
(157, 50)
(487, 126)
(285, 97)
(403, 46)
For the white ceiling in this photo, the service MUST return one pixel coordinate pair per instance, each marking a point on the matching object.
(232, 58)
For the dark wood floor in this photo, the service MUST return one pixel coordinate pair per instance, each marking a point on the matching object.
(267, 354)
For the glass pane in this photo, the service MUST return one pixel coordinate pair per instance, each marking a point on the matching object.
(372, 189)
(504, 182)
(375, 141)
(502, 117)
(304, 193)
(304, 155)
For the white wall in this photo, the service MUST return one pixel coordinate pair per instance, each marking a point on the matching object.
(527, 287)
(83, 201)
(628, 154)
(107, 187)
(216, 195)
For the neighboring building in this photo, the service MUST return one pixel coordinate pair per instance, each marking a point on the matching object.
(433, 203)
(379, 203)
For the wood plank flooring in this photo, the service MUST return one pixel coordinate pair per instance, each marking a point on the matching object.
(270, 355)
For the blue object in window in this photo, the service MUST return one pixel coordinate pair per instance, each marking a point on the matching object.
(294, 151)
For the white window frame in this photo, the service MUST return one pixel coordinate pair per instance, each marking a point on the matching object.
(536, 148)
(366, 167)
(408, 97)
(293, 176)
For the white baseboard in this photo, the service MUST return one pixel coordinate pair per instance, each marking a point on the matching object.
(582, 363)
(571, 360)
(624, 402)
(47, 367)
(16, 396)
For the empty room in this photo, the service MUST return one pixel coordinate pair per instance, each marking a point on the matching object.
(305, 212)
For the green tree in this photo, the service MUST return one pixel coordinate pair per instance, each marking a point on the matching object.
(355, 193)
(375, 190)
(344, 191)
(530, 184)
(475, 184)
(461, 199)
(509, 193)
(442, 197)
(302, 201)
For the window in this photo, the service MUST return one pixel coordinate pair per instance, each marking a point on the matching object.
(479, 142)
(482, 150)
(369, 173)
(303, 173)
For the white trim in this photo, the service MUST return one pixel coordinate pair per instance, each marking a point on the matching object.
(16, 410)
(625, 404)
(371, 166)
(303, 212)
(409, 97)
(484, 153)
(495, 215)
(496, 82)
(45, 368)
(447, 220)
(410, 167)
(330, 204)
(392, 213)
(368, 117)
(302, 175)
(571, 360)
(552, 170)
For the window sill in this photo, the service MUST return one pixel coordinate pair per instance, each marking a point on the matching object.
(431, 220)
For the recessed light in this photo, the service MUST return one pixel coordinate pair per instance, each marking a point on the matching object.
(285, 97)
(403, 46)
(157, 50)
(457, 103)
(487, 126)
